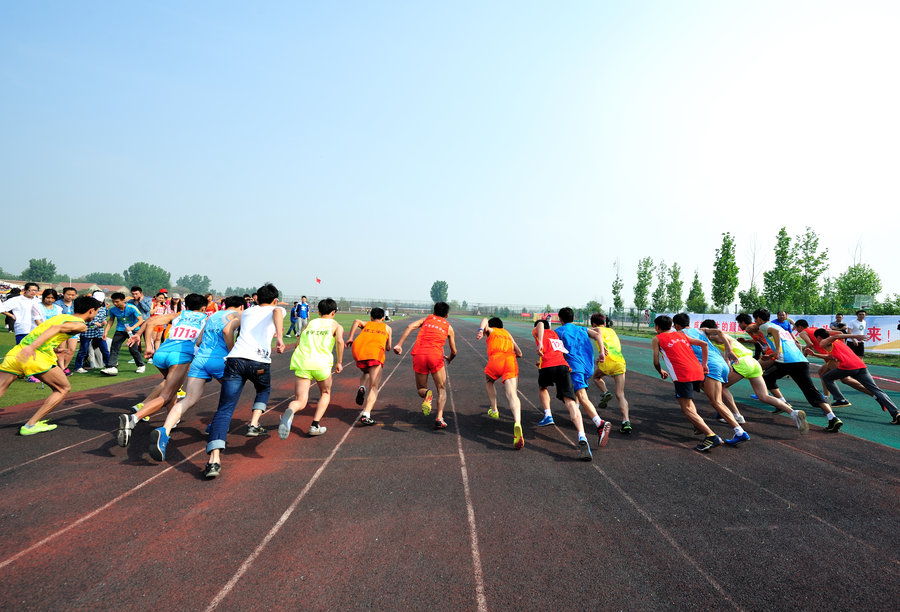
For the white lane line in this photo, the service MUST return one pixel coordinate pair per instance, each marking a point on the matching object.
(229, 586)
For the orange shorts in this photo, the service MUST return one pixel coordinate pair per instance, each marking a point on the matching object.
(502, 366)
(425, 363)
(365, 364)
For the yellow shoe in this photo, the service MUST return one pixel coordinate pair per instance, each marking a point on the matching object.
(181, 393)
(39, 427)
(137, 407)
(426, 404)
(493, 413)
(518, 438)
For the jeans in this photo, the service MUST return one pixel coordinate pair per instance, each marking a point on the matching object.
(865, 379)
(85, 345)
(118, 338)
(237, 372)
(293, 327)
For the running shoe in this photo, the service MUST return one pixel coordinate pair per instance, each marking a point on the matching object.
(32, 379)
(317, 430)
(126, 424)
(740, 419)
(625, 428)
(284, 426)
(81, 371)
(547, 420)
(254, 431)
(67, 372)
(140, 370)
(366, 420)
(834, 425)
(181, 393)
(604, 400)
(426, 403)
(212, 470)
(584, 449)
(708, 443)
(754, 396)
(158, 442)
(39, 427)
(440, 424)
(603, 433)
(799, 417)
(518, 438)
(493, 413)
(737, 439)
(360, 395)
(840, 404)
(137, 407)
(110, 371)
(896, 419)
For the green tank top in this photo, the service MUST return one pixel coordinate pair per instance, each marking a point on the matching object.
(316, 344)
(739, 350)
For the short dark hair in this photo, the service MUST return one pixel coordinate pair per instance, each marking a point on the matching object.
(266, 294)
(302, 296)
(376, 313)
(566, 314)
(118, 295)
(27, 285)
(598, 318)
(664, 322)
(84, 303)
(762, 314)
(327, 306)
(50, 291)
(495, 322)
(820, 333)
(441, 309)
(709, 324)
(682, 319)
(543, 322)
(861, 311)
(69, 289)
(744, 318)
(136, 288)
(801, 323)
(234, 301)
(194, 301)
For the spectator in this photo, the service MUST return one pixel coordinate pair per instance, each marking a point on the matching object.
(20, 308)
(46, 308)
(857, 328)
(93, 337)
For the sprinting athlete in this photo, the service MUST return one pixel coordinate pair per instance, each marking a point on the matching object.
(428, 357)
(173, 359)
(208, 363)
(610, 362)
(682, 366)
(368, 351)
(35, 355)
(313, 360)
(553, 371)
(808, 335)
(160, 307)
(502, 352)
(743, 365)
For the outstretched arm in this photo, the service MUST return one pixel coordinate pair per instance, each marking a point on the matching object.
(483, 329)
(398, 348)
(70, 327)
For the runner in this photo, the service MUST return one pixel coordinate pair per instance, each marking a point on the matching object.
(160, 308)
(807, 335)
(313, 360)
(35, 355)
(250, 359)
(368, 351)
(745, 366)
(208, 364)
(682, 367)
(428, 357)
(502, 352)
(610, 362)
(173, 359)
(553, 371)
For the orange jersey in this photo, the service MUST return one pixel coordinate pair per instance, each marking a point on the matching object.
(432, 335)
(371, 342)
(501, 356)
(500, 342)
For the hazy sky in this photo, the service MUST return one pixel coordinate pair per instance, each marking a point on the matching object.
(514, 149)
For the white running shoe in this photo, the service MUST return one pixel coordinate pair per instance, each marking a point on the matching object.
(111, 371)
(317, 430)
(140, 370)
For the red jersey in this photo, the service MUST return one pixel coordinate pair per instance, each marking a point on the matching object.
(681, 362)
(432, 335)
(554, 350)
(760, 340)
(847, 359)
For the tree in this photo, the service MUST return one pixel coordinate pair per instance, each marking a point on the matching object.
(240, 291)
(696, 301)
(750, 300)
(147, 276)
(593, 306)
(858, 279)
(658, 301)
(674, 289)
(780, 283)
(828, 301)
(105, 278)
(617, 286)
(439, 291)
(195, 283)
(465, 305)
(642, 287)
(39, 271)
(725, 274)
(812, 265)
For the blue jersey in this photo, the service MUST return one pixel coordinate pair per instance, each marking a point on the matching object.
(790, 352)
(186, 328)
(718, 367)
(303, 310)
(128, 316)
(581, 351)
(213, 342)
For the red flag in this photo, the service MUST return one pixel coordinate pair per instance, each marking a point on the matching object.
(318, 280)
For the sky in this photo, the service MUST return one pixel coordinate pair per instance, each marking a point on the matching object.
(520, 151)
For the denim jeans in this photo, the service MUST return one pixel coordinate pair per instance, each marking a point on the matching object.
(237, 372)
(85, 345)
(863, 377)
(118, 338)
(293, 327)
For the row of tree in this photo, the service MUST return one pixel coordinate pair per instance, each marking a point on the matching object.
(796, 282)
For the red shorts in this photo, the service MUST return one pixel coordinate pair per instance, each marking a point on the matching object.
(502, 366)
(365, 364)
(425, 363)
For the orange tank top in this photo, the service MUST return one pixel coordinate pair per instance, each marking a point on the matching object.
(499, 342)
(432, 335)
(371, 342)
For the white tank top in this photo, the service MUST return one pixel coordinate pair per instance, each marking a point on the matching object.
(257, 331)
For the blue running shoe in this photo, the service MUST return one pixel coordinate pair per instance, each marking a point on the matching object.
(547, 420)
(737, 439)
(158, 442)
(584, 449)
(754, 396)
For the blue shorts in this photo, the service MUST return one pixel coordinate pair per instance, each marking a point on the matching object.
(718, 372)
(207, 368)
(580, 380)
(166, 360)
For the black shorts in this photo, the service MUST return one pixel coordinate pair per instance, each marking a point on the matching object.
(559, 377)
(684, 389)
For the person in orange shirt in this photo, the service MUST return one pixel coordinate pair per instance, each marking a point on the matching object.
(428, 357)
(368, 351)
(502, 352)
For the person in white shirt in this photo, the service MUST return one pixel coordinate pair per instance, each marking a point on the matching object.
(21, 308)
(857, 328)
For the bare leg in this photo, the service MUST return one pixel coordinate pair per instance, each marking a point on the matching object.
(440, 382)
(174, 378)
(511, 386)
(491, 393)
(57, 381)
(324, 400)
(193, 387)
(690, 411)
(582, 398)
(575, 415)
(713, 390)
(728, 399)
(619, 385)
(373, 375)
